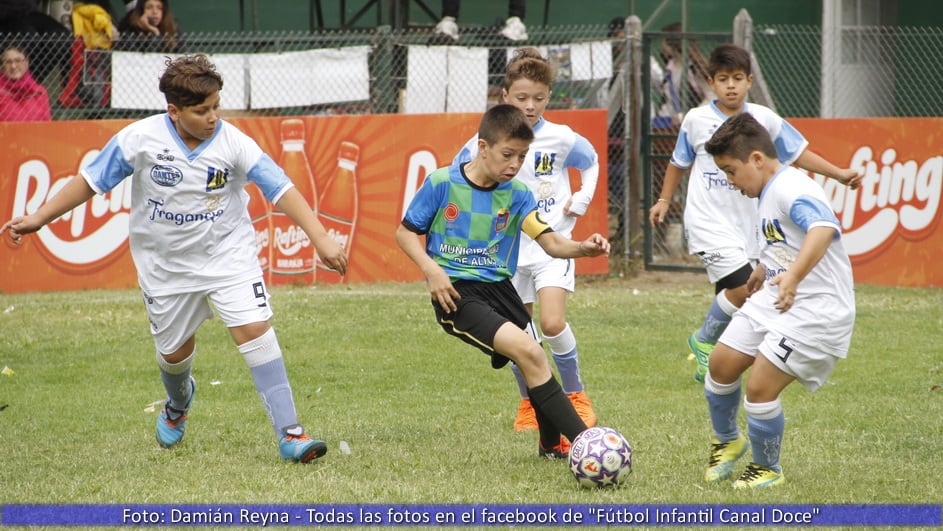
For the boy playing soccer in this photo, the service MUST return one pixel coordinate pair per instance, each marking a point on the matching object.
(193, 243)
(719, 222)
(472, 215)
(542, 278)
(797, 326)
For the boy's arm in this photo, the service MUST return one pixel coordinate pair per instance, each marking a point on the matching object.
(813, 248)
(73, 194)
(299, 211)
(658, 211)
(440, 285)
(811, 161)
(559, 247)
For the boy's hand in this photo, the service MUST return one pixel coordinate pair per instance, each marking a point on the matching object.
(332, 254)
(755, 282)
(787, 290)
(850, 178)
(595, 245)
(442, 290)
(19, 226)
(657, 213)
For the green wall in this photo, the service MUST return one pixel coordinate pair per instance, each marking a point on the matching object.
(703, 15)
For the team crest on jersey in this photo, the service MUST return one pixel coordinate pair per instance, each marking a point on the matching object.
(166, 175)
(501, 220)
(451, 212)
(543, 163)
(772, 231)
(216, 178)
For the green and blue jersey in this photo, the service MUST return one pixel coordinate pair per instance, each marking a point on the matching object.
(473, 233)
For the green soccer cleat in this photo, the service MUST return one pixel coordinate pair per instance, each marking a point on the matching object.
(702, 352)
(170, 428)
(756, 476)
(723, 457)
(297, 447)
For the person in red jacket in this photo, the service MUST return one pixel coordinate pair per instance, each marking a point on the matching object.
(22, 98)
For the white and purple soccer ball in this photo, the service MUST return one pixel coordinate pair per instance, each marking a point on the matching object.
(600, 457)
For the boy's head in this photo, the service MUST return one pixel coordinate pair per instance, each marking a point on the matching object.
(189, 80)
(744, 151)
(731, 58)
(527, 83)
(191, 85)
(730, 77)
(504, 136)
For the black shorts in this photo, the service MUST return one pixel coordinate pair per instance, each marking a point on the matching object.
(482, 310)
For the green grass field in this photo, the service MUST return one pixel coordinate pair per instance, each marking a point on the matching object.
(426, 418)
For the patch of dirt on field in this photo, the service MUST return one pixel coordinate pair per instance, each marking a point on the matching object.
(652, 279)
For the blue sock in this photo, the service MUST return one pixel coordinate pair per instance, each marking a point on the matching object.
(565, 357)
(717, 318)
(264, 357)
(723, 403)
(521, 384)
(176, 379)
(766, 423)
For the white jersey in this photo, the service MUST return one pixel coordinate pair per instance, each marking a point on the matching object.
(555, 148)
(823, 313)
(716, 215)
(190, 228)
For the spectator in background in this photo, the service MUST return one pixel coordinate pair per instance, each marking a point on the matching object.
(22, 99)
(38, 35)
(676, 98)
(149, 26)
(446, 31)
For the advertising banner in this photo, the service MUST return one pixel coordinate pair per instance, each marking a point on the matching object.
(358, 172)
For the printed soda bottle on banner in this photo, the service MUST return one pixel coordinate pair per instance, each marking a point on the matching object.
(293, 255)
(338, 206)
(261, 215)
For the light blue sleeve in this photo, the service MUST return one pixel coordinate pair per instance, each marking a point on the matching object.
(807, 211)
(582, 156)
(465, 154)
(789, 143)
(108, 168)
(683, 155)
(269, 177)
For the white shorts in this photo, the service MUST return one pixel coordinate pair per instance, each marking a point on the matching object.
(554, 273)
(175, 318)
(721, 262)
(809, 366)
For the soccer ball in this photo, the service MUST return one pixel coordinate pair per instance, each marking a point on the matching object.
(600, 457)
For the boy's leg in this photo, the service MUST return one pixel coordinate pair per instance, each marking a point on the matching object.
(766, 423)
(730, 273)
(245, 310)
(546, 395)
(174, 320)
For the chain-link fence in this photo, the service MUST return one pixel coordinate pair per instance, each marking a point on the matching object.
(864, 71)
(800, 71)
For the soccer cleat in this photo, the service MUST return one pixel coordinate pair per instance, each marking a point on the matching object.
(560, 451)
(297, 447)
(723, 457)
(170, 430)
(756, 476)
(514, 29)
(446, 32)
(583, 407)
(702, 352)
(526, 419)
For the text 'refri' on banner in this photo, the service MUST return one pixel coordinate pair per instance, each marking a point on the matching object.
(385, 159)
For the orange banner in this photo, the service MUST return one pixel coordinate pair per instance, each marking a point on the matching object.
(891, 224)
(363, 171)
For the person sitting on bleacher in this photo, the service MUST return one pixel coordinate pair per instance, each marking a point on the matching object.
(22, 98)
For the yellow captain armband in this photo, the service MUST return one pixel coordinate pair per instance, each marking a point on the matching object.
(534, 226)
